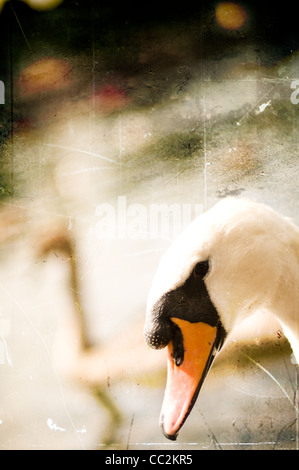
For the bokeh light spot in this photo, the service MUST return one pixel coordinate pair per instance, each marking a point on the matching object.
(43, 4)
(44, 75)
(230, 16)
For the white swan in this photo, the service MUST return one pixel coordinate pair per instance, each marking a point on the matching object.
(238, 258)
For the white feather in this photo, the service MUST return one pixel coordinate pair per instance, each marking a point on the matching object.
(254, 263)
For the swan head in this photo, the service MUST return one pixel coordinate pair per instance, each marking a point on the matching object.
(224, 267)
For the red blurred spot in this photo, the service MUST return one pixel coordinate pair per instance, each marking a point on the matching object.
(110, 98)
(22, 124)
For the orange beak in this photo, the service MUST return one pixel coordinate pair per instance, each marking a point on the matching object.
(184, 381)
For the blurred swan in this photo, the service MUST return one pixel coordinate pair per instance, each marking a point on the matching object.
(98, 367)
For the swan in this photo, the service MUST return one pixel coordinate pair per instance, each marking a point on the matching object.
(236, 259)
(97, 366)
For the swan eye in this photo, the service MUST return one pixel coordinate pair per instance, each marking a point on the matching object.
(201, 269)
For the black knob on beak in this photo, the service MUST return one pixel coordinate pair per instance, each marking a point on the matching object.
(159, 334)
